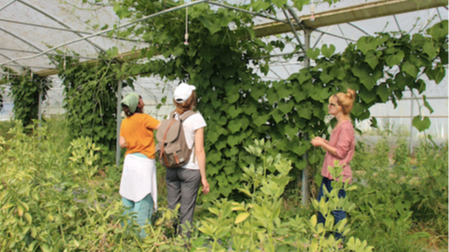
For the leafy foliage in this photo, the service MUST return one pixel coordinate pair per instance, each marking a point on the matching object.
(238, 106)
(25, 91)
(399, 204)
(91, 99)
(46, 208)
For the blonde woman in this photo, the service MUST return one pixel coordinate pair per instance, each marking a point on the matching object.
(340, 147)
(183, 183)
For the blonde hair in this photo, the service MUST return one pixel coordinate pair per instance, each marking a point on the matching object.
(189, 104)
(346, 100)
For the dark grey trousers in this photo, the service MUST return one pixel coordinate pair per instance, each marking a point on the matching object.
(182, 187)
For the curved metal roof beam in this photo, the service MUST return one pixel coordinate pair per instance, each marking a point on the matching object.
(111, 29)
(1, 54)
(25, 41)
(6, 5)
(66, 30)
(59, 22)
(52, 54)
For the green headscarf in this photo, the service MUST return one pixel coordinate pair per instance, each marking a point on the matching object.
(131, 100)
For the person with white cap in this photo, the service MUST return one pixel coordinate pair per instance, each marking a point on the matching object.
(183, 183)
(138, 185)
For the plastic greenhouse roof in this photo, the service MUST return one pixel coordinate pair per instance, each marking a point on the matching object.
(30, 27)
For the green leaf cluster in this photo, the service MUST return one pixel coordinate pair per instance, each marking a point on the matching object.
(90, 98)
(25, 91)
(239, 107)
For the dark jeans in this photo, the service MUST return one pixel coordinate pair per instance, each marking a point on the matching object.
(338, 214)
(182, 187)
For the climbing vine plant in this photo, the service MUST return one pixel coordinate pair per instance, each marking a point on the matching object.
(239, 107)
(91, 98)
(25, 91)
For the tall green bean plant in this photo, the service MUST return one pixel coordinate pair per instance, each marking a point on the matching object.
(90, 98)
(25, 91)
(239, 107)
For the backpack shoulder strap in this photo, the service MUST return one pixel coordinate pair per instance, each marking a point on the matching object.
(172, 114)
(187, 114)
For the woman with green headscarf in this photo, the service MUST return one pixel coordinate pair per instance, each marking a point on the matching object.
(138, 185)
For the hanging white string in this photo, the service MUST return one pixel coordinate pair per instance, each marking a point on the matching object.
(312, 11)
(63, 64)
(186, 35)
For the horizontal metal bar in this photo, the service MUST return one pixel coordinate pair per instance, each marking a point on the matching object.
(52, 54)
(246, 11)
(38, 67)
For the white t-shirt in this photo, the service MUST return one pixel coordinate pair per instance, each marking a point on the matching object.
(192, 123)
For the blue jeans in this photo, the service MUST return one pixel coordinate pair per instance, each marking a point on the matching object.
(338, 214)
(142, 211)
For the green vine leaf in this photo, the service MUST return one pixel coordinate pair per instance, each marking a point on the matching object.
(304, 112)
(327, 51)
(213, 156)
(439, 31)
(383, 92)
(211, 26)
(279, 3)
(257, 91)
(426, 104)
(429, 49)
(260, 119)
(367, 96)
(291, 131)
(283, 91)
(220, 144)
(421, 123)
(277, 115)
(409, 68)
(234, 126)
(286, 107)
(233, 112)
(393, 56)
(245, 122)
(313, 53)
(362, 72)
(233, 140)
(436, 74)
(371, 59)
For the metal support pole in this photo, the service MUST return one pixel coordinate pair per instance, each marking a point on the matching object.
(39, 106)
(305, 177)
(411, 122)
(119, 122)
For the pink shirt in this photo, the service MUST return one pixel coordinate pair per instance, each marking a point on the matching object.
(343, 139)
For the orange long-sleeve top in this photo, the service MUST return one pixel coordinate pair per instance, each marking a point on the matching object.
(138, 133)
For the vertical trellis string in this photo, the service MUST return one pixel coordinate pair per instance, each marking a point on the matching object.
(186, 35)
(312, 11)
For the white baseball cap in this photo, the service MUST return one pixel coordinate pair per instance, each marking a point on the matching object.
(182, 92)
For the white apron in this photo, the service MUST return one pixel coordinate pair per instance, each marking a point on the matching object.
(138, 179)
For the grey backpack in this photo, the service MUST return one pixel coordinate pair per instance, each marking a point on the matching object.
(172, 147)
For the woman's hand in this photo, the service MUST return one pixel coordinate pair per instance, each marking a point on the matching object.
(206, 188)
(318, 142)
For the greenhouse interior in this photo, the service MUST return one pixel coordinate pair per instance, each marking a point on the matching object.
(263, 69)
